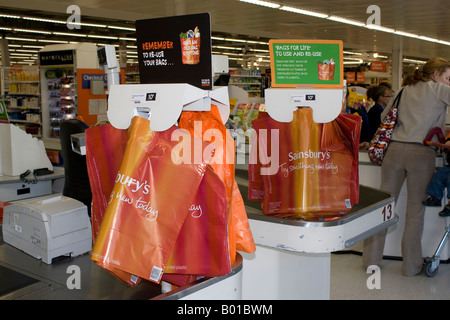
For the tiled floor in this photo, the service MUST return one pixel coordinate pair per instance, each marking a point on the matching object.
(349, 281)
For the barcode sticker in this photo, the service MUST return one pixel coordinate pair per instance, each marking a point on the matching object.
(134, 278)
(156, 273)
(348, 203)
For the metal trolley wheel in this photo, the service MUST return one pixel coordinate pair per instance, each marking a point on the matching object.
(431, 269)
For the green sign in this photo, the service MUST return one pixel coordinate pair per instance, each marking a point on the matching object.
(3, 113)
(316, 63)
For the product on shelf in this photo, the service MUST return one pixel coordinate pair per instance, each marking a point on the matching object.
(61, 98)
(20, 90)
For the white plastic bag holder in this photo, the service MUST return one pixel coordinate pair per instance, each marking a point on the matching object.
(325, 103)
(163, 102)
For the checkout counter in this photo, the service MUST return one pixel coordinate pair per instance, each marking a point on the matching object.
(45, 245)
(44, 239)
(292, 258)
(26, 278)
(292, 261)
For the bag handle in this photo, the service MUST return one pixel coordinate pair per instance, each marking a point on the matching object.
(396, 101)
(397, 98)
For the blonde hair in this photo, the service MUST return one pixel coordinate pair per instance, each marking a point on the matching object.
(424, 73)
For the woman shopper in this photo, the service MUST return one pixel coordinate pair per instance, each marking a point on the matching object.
(423, 105)
(381, 95)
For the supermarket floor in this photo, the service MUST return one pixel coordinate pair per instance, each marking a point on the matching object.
(349, 281)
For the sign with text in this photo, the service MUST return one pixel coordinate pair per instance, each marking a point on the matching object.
(360, 77)
(175, 50)
(378, 66)
(55, 58)
(351, 77)
(316, 63)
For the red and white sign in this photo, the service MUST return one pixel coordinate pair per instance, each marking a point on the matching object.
(378, 66)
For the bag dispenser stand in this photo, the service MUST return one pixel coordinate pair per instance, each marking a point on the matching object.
(325, 103)
(162, 102)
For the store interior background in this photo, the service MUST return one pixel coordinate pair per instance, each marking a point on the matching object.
(400, 37)
(241, 31)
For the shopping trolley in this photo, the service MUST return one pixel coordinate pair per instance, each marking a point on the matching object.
(432, 264)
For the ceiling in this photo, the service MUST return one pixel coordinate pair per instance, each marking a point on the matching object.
(232, 18)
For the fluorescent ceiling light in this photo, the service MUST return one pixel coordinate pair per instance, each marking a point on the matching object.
(263, 3)
(413, 60)
(52, 41)
(32, 31)
(106, 44)
(347, 21)
(406, 34)
(23, 50)
(101, 37)
(353, 59)
(122, 28)
(353, 53)
(226, 48)
(258, 42)
(236, 59)
(353, 62)
(428, 39)
(306, 12)
(227, 53)
(44, 20)
(20, 54)
(9, 16)
(20, 39)
(88, 24)
(344, 20)
(260, 50)
(235, 40)
(380, 28)
(69, 34)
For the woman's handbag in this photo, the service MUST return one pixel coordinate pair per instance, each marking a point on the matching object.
(382, 137)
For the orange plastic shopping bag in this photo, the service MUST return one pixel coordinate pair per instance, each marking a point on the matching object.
(202, 244)
(208, 125)
(105, 147)
(150, 200)
(345, 131)
(314, 177)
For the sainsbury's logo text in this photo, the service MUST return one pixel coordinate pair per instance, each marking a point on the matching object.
(321, 155)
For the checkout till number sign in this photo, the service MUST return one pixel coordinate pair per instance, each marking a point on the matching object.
(387, 212)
